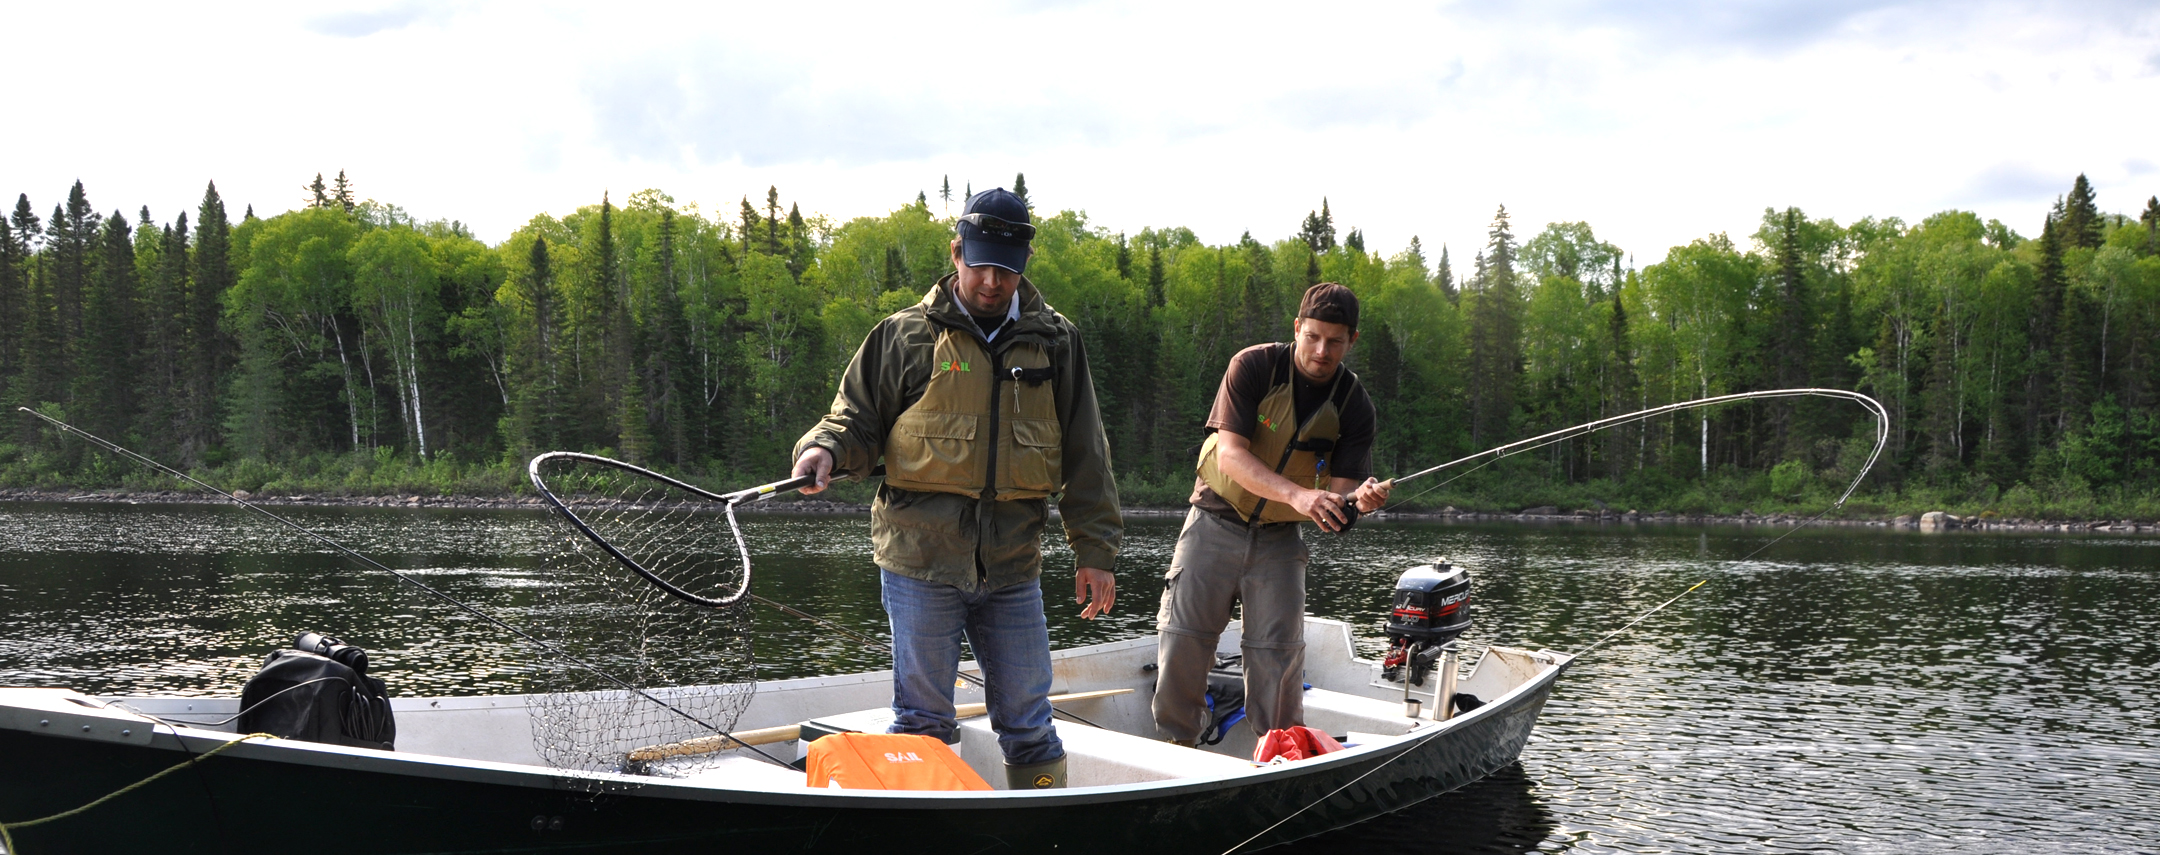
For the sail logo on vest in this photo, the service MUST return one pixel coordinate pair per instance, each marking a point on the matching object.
(949, 365)
(1269, 423)
(902, 757)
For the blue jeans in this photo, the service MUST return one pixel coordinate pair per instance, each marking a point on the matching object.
(1005, 627)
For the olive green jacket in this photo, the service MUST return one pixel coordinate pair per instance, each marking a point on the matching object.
(971, 543)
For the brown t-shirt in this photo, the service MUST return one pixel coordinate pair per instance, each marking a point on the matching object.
(1237, 409)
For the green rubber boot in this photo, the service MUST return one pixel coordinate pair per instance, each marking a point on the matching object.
(1038, 776)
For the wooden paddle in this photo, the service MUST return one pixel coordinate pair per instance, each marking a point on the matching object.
(785, 732)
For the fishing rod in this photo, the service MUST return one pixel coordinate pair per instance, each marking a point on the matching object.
(1882, 436)
(423, 587)
(1875, 408)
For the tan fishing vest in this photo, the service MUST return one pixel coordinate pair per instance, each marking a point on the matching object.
(943, 443)
(1300, 453)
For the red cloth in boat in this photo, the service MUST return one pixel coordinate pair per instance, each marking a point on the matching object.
(1296, 742)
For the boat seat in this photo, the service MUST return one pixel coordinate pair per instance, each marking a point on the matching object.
(1339, 713)
(1096, 757)
(739, 770)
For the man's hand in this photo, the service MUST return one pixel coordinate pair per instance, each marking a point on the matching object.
(814, 461)
(1324, 508)
(1097, 588)
(1372, 495)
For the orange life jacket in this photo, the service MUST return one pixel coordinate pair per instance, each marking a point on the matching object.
(888, 761)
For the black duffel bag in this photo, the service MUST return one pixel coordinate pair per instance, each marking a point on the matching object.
(319, 691)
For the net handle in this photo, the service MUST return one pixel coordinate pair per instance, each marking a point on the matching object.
(532, 469)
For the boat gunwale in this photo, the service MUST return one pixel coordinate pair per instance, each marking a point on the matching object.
(530, 776)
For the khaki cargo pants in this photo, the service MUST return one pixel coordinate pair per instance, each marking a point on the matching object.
(1219, 564)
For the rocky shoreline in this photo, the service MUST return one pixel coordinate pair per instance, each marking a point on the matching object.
(1547, 515)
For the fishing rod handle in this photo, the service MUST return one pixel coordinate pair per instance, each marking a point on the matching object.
(761, 491)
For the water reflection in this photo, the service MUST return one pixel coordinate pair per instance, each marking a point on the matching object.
(1845, 690)
(1499, 815)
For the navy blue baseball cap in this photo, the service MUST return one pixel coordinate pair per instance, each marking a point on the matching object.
(995, 230)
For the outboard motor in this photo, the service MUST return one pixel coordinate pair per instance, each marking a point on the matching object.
(1431, 608)
(319, 691)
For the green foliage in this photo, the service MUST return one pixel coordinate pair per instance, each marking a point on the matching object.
(349, 348)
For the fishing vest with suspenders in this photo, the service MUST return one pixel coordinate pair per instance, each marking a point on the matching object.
(1301, 454)
(1008, 398)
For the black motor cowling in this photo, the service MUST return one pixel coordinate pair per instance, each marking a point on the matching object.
(1432, 604)
(1432, 607)
(319, 691)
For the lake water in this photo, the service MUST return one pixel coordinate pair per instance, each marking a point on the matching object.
(1846, 691)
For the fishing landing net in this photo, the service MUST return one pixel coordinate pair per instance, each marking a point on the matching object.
(649, 588)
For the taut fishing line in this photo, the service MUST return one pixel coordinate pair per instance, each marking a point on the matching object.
(567, 660)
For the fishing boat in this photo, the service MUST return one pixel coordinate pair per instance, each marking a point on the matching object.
(465, 775)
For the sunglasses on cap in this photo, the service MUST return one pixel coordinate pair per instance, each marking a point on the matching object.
(1000, 228)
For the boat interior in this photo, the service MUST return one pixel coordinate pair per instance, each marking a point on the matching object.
(1116, 746)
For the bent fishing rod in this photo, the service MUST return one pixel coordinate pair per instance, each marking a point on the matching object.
(543, 646)
(1490, 455)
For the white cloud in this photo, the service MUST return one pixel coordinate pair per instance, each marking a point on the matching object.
(1655, 122)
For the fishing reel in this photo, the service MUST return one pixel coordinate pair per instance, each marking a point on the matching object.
(334, 650)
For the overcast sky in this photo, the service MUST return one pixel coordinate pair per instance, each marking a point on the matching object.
(1657, 121)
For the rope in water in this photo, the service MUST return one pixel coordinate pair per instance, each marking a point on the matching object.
(8, 840)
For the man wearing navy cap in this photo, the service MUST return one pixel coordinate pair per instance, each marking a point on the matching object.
(979, 402)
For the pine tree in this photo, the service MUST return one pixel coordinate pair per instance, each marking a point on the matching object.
(1124, 258)
(536, 407)
(623, 406)
(1495, 337)
(163, 380)
(772, 220)
(1789, 326)
(1318, 230)
(344, 192)
(105, 376)
(2047, 308)
(945, 193)
(2082, 225)
(749, 224)
(1355, 241)
(802, 251)
(73, 232)
(1155, 277)
(667, 357)
(1621, 384)
(11, 302)
(212, 349)
(1444, 276)
(1020, 189)
(318, 194)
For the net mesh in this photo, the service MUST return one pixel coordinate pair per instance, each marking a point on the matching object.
(689, 653)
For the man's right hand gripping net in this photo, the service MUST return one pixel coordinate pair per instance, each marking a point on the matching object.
(650, 585)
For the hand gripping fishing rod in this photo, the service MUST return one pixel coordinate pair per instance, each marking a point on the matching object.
(1882, 437)
(370, 563)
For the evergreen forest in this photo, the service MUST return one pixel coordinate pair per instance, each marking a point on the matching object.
(346, 348)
